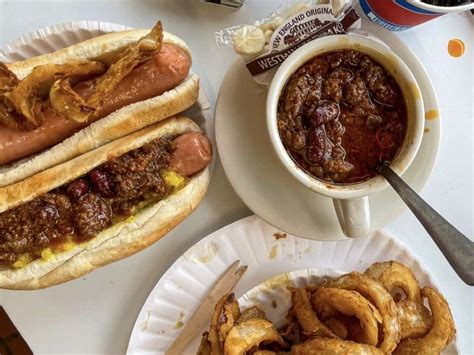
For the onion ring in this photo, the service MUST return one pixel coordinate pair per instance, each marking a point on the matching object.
(318, 346)
(415, 319)
(380, 298)
(205, 345)
(251, 313)
(305, 315)
(337, 327)
(225, 313)
(327, 300)
(441, 333)
(249, 334)
(291, 333)
(395, 275)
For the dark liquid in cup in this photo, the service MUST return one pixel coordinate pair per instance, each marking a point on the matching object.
(340, 115)
(447, 2)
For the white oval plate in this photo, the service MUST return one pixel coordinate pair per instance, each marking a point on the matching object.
(188, 281)
(268, 189)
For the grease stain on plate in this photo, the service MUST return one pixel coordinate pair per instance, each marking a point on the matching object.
(279, 235)
(202, 253)
(144, 324)
(456, 47)
(269, 286)
(431, 114)
(414, 90)
(179, 323)
(273, 252)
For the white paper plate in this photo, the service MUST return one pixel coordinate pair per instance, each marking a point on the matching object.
(188, 281)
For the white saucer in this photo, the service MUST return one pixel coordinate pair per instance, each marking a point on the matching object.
(269, 190)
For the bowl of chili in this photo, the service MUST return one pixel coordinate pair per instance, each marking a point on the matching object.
(336, 109)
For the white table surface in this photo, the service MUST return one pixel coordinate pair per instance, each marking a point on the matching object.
(95, 314)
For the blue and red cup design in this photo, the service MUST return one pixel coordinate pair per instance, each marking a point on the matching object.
(396, 15)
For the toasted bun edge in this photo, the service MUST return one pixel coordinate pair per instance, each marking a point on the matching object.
(90, 49)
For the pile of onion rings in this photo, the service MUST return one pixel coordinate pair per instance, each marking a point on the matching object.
(380, 311)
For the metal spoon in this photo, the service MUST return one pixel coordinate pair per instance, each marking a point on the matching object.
(455, 246)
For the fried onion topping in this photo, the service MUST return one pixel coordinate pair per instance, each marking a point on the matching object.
(27, 97)
(141, 51)
(50, 86)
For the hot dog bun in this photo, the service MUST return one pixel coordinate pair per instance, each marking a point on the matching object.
(119, 240)
(117, 124)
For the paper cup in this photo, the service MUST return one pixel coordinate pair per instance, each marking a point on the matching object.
(399, 15)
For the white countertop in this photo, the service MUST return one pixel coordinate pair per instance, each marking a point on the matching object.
(96, 313)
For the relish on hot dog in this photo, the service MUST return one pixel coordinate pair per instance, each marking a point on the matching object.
(101, 206)
(66, 103)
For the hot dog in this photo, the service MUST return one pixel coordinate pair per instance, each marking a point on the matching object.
(158, 87)
(101, 206)
(162, 73)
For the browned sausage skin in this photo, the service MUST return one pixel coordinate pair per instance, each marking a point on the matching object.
(192, 153)
(160, 74)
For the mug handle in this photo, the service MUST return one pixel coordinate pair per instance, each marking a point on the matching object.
(353, 215)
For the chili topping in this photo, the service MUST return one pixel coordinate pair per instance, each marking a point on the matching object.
(340, 115)
(79, 210)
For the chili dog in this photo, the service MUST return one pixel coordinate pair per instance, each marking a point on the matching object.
(66, 103)
(101, 206)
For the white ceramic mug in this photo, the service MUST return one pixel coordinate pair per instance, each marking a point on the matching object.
(351, 201)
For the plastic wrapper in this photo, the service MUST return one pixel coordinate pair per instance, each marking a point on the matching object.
(267, 42)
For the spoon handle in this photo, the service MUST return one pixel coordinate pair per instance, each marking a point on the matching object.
(455, 246)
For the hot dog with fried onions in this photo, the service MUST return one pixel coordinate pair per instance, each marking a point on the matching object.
(162, 73)
(139, 77)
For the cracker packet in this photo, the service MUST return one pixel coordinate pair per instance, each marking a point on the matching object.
(266, 43)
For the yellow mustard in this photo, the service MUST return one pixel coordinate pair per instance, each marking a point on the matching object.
(22, 261)
(47, 254)
(173, 179)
